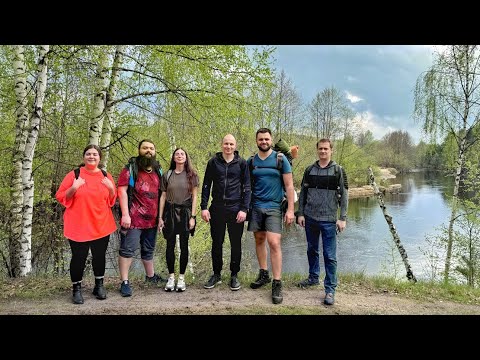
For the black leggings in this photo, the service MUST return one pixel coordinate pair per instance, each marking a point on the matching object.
(80, 253)
(183, 252)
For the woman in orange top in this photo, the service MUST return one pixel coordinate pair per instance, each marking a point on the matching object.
(88, 219)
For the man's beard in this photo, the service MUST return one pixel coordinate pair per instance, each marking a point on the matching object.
(145, 163)
(259, 148)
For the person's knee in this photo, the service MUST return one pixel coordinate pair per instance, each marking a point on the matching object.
(126, 253)
(147, 254)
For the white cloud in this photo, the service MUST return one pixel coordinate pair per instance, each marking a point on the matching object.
(379, 125)
(351, 78)
(353, 98)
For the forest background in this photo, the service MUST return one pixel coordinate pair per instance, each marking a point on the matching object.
(57, 99)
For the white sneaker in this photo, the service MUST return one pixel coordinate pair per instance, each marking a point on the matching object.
(181, 285)
(170, 284)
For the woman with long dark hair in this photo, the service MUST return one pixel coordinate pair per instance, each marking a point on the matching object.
(178, 205)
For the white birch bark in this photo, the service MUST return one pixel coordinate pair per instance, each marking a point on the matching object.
(454, 203)
(393, 230)
(110, 107)
(18, 151)
(27, 177)
(101, 83)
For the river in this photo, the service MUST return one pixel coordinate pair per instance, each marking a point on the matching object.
(367, 245)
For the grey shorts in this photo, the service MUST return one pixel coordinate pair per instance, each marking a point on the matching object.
(266, 220)
(134, 238)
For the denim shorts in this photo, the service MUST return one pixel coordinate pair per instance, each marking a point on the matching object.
(266, 220)
(135, 238)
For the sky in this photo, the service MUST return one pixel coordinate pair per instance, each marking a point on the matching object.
(378, 80)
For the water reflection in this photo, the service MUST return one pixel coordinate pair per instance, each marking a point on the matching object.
(367, 244)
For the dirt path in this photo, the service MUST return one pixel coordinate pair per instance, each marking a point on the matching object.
(222, 301)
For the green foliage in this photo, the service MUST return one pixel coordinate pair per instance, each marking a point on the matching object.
(178, 96)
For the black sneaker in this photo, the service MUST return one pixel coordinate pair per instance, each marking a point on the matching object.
(214, 280)
(155, 279)
(307, 283)
(262, 279)
(125, 289)
(329, 299)
(234, 283)
(277, 296)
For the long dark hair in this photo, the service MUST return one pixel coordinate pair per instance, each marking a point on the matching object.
(191, 172)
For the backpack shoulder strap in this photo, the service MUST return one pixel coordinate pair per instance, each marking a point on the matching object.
(250, 163)
(305, 174)
(77, 172)
(341, 170)
(132, 169)
(250, 169)
(308, 169)
(159, 170)
(169, 173)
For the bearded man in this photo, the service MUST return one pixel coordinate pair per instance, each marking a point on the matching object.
(139, 193)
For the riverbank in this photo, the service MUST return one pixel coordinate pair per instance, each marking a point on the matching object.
(367, 190)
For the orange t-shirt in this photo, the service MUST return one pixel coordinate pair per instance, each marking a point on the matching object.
(88, 214)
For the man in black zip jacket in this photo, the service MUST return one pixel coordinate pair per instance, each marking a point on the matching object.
(230, 202)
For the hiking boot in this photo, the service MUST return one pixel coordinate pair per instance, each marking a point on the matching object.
(99, 290)
(234, 283)
(77, 293)
(277, 296)
(329, 299)
(307, 283)
(262, 279)
(215, 279)
(155, 279)
(170, 284)
(125, 289)
(181, 285)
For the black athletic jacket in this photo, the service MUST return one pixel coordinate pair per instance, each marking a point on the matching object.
(231, 183)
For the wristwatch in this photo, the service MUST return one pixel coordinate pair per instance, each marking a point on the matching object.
(193, 217)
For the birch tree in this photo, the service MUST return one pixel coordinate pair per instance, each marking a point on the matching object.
(16, 210)
(25, 142)
(447, 102)
(391, 225)
(101, 85)
(109, 107)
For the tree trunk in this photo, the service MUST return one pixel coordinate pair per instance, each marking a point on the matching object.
(453, 214)
(18, 151)
(96, 125)
(110, 107)
(27, 176)
(393, 230)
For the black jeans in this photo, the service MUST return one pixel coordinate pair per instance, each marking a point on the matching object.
(80, 253)
(224, 218)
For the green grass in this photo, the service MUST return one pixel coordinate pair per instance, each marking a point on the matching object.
(36, 287)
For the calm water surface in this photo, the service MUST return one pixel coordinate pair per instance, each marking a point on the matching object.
(367, 244)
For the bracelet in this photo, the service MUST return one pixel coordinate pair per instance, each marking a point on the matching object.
(193, 217)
